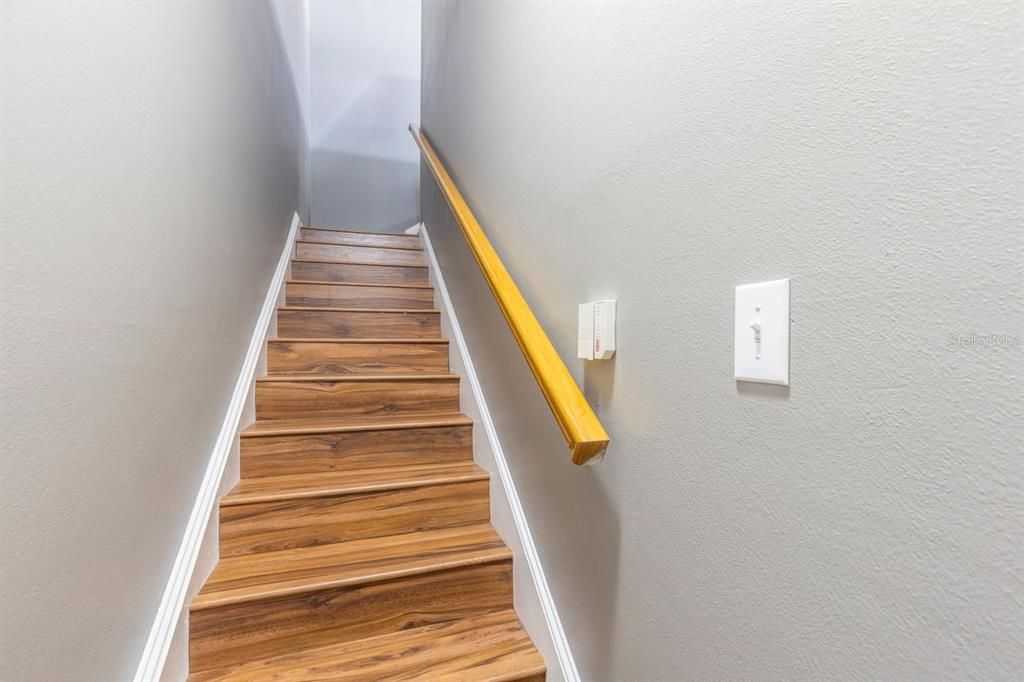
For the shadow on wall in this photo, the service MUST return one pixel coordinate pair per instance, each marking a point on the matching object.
(537, 454)
(365, 168)
(352, 190)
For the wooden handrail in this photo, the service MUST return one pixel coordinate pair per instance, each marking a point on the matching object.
(580, 426)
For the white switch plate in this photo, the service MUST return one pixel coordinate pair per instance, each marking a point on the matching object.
(764, 305)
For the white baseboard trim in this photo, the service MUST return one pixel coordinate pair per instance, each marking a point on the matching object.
(170, 626)
(507, 511)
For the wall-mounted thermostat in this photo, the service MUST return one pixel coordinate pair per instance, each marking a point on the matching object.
(596, 330)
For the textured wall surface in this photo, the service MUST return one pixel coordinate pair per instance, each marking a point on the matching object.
(365, 61)
(150, 169)
(865, 523)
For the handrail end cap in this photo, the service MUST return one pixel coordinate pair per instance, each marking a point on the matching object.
(586, 451)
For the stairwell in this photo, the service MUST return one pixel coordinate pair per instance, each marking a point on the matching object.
(357, 544)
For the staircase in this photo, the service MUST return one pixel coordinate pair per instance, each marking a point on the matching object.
(357, 544)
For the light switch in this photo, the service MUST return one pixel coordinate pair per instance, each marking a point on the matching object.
(762, 332)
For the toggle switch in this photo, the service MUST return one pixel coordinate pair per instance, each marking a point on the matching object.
(762, 332)
(756, 326)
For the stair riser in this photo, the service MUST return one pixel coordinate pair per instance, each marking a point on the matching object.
(351, 296)
(356, 358)
(334, 253)
(319, 324)
(236, 633)
(392, 241)
(288, 524)
(293, 399)
(360, 274)
(351, 450)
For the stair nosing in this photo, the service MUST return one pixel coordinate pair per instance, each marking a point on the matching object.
(321, 282)
(517, 675)
(496, 555)
(313, 339)
(338, 262)
(311, 378)
(456, 419)
(344, 230)
(429, 311)
(360, 246)
(441, 479)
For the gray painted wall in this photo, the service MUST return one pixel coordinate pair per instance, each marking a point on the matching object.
(293, 22)
(365, 69)
(865, 523)
(150, 168)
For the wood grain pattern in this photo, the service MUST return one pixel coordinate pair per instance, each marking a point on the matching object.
(293, 450)
(315, 356)
(358, 296)
(492, 647)
(367, 255)
(401, 285)
(352, 229)
(293, 486)
(313, 521)
(284, 397)
(309, 569)
(351, 272)
(349, 324)
(352, 238)
(244, 631)
(579, 424)
(350, 423)
(356, 544)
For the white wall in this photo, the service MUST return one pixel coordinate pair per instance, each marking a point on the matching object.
(293, 23)
(365, 71)
(151, 163)
(865, 523)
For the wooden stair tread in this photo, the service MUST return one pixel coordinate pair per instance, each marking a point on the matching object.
(356, 422)
(312, 308)
(356, 356)
(289, 396)
(387, 285)
(392, 240)
(348, 253)
(270, 575)
(349, 230)
(314, 339)
(315, 239)
(303, 270)
(354, 323)
(291, 486)
(357, 377)
(362, 296)
(300, 259)
(492, 647)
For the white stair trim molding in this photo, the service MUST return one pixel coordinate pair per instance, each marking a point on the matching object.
(533, 600)
(198, 551)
